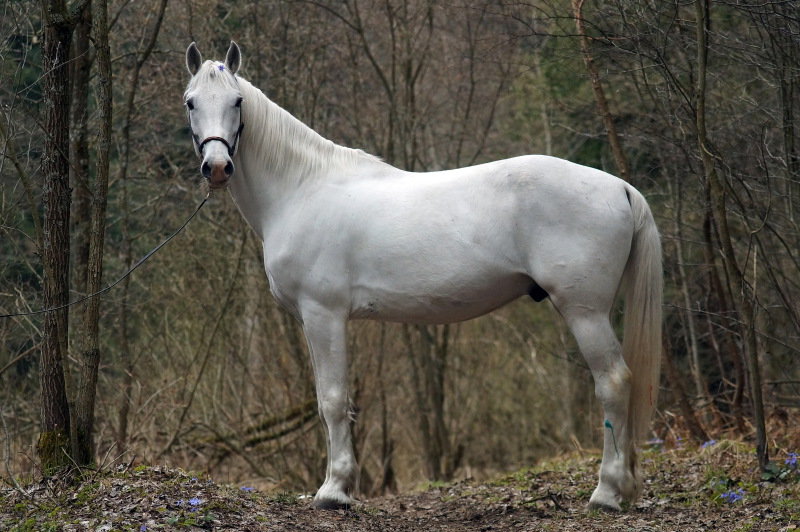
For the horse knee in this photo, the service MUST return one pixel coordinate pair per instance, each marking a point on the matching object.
(603, 354)
(333, 406)
(613, 385)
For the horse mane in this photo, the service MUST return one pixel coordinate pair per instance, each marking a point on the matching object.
(285, 145)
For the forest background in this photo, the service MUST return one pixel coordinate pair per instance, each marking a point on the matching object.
(189, 361)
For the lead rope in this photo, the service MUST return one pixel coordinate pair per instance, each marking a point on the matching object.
(115, 283)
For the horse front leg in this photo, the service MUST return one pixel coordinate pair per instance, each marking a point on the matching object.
(325, 333)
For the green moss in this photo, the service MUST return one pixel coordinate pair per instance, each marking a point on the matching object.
(367, 510)
(595, 513)
(29, 525)
(434, 484)
(748, 526)
(86, 493)
(520, 479)
(53, 449)
(284, 497)
(789, 507)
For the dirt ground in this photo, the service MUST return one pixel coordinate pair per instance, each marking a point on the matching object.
(714, 488)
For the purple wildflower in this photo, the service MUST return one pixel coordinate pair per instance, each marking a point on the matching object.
(791, 461)
(221, 67)
(733, 496)
(247, 489)
(194, 504)
(709, 443)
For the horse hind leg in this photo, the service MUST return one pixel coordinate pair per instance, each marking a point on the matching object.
(599, 345)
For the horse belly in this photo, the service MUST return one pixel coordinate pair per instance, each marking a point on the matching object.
(433, 303)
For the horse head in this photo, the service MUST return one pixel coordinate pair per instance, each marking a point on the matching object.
(213, 102)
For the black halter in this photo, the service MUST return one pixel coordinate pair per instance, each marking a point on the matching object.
(231, 147)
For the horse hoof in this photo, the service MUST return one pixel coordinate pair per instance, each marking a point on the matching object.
(330, 504)
(605, 507)
(604, 499)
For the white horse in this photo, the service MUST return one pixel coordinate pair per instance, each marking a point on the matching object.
(347, 236)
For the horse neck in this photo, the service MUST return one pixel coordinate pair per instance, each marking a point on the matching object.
(279, 148)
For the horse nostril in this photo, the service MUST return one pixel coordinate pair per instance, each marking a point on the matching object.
(205, 169)
(229, 169)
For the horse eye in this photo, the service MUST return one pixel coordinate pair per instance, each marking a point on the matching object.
(238, 102)
(190, 105)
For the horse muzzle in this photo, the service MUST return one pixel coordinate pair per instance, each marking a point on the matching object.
(217, 172)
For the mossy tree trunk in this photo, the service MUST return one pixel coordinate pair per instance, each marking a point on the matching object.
(59, 22)
(53, 445)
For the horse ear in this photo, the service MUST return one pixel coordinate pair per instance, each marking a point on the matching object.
(234, 58)
(193, 59)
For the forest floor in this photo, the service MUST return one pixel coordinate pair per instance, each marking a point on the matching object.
(712, 488)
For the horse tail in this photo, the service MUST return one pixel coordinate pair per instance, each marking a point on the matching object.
(641, 346)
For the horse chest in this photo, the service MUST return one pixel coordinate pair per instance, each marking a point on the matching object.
(298, 269)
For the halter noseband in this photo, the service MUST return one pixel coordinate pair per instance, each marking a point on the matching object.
(231, 147)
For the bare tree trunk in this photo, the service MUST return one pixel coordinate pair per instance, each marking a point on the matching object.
(676, 381)
(745, 308)
(544, 114)
(599, 94)
(127, 240)
(388, 477)
(724, 346)
(79, 150)
(88, 355)
(53, 444)
(428, 359)
(785, 49)
(701, 392)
